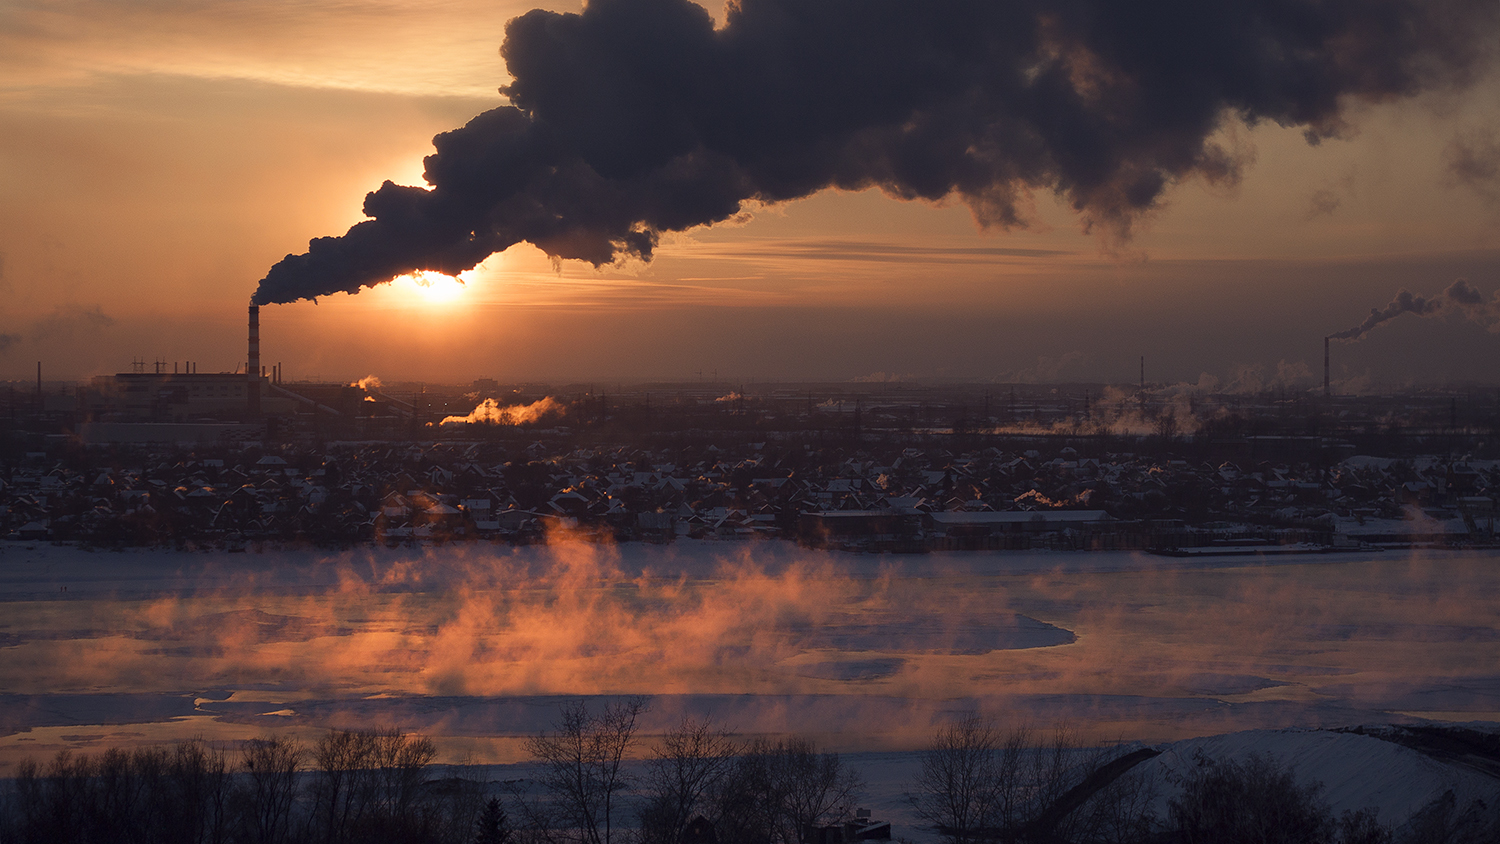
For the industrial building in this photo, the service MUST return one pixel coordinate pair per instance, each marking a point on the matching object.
(186, 395)
(177, 403)
(168, 396)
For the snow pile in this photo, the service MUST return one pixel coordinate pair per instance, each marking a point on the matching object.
(1356, 771)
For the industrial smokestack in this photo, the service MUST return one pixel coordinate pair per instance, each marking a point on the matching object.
(252, 367)
(1327, 391)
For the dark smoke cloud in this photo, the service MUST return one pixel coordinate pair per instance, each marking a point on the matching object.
(1460, 296)
(1404, 303)
(1474, 160)
(1323, 203)
(69, 320)
(1461, 293)
(637, 117)
(65, 322)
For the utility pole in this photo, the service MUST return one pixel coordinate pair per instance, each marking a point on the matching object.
(1327, 390)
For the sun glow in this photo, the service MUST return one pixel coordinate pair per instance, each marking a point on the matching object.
(434, 288)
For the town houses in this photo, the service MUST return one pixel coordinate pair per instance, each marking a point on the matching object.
(877, 496)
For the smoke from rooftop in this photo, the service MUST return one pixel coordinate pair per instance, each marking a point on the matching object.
(490, 412)
(638, 117)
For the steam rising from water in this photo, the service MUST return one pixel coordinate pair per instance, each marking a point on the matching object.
(770, 637)
(569, 620)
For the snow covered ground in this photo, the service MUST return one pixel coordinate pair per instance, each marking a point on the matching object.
(1356, 772)
(477, 646)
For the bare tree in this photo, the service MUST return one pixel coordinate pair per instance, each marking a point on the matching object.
(815, 788)
(170, 796)
(686, 770)
(1166, 425)
(400, 769)
(1055, 764)
(1122, 809)
(271, 766)
(54, 802)
(369, 783)
(199, 786)
(1011, 779)
(582, 767)
(778, 791)
(1257, 800)
(978, 783)
(339, 790)
(957, 789)
(187, 794)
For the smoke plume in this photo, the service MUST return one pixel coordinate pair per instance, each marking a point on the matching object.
(1459, 297)
(1474, 160)
(638, 117)
(489, 412)
(1404, 303)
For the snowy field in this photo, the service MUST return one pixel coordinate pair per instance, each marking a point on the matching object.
(475, 646)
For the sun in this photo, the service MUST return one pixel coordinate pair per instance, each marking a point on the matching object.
(434, 288)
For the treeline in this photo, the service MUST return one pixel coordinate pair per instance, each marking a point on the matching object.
(350, 786)
(976, 784)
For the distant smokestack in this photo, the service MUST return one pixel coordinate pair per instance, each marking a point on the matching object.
(1327, 391)
(252, 368)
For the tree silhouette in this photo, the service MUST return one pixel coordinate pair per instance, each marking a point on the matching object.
(494, 826)
(583, 767)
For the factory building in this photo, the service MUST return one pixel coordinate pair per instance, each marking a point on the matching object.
(168, 396)
(187, 395)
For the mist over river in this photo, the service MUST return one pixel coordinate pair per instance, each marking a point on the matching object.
(476, 645)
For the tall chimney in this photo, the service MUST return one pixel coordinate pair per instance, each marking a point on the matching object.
(1327, 391)
(252, 368)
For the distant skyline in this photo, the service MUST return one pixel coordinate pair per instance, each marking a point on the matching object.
(157, 158)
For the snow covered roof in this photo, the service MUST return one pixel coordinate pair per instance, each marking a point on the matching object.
(982, 517)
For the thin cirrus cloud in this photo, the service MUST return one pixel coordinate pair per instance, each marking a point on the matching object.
(689, 274)
(445, 48)
(869, 251)
(623, 294)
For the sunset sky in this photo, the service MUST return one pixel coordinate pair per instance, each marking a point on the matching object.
(158, 157)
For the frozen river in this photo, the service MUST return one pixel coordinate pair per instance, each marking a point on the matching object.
(475, 646)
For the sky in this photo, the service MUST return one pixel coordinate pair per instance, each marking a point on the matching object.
(158, 158)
